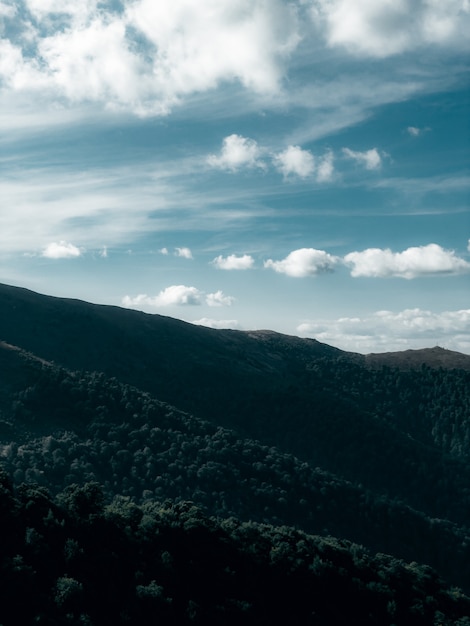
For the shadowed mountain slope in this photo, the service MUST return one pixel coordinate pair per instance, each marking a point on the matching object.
(404, 434)
(61, 428)
(411, 359)
(78, 561)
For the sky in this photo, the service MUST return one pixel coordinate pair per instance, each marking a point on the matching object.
(297, 166)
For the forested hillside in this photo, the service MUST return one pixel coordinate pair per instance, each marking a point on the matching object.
(250, 426)
(76, 561)
(61, 428)
(404, 433)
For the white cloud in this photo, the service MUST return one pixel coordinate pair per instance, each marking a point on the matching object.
(185, 253)
(7, 10)
(178, 295)
(163, 251)
(147, 55)
(294, 160)
(219, 299)
(325, 169)
(200, 44)
(94, 63)
(233, 262)
(370, 159)
(86, 207)
(104, 252)
(304, 262)
(414, 131)
(237, 152)
(413, 262)
(61, 250)
(219, 324)
(387, 331)
(380, 28)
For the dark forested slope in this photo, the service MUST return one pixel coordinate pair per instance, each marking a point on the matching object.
(76, 561)
(60, 428)
(402, 432)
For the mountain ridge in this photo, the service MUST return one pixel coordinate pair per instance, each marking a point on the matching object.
(433, 357)
(251, 423)
(61, 428)
(385, 428)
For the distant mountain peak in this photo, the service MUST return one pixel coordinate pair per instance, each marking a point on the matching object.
(410, 359)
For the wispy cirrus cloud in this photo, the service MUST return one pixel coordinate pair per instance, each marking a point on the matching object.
(370, 159)
(86, 208)
(325, 168)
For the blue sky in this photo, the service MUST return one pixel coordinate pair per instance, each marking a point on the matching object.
(300, 166)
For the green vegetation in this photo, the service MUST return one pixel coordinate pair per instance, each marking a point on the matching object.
(402, 433)
(70, 428)
(125, 509)
(78, 560)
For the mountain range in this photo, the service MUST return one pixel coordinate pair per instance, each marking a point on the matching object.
(257, 425)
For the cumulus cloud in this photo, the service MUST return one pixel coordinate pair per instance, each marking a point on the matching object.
(175, 295)
(295, 161)
(370, 159)
(7, 11)
(80, 9)
(219, 299)
(61, 250)
(93, 62)
(380, 28)
(387, 330)
(147, 55)
(413, 262)
(304, 262)
(233, 262)
(237, 152)
(211, 323)
(185, 253)
(178, 295)
(202, 43)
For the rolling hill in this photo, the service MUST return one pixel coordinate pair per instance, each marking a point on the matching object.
(268, 427)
